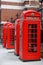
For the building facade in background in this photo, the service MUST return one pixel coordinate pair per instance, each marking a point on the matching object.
(10, 8)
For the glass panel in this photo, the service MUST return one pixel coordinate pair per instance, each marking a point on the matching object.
(32, 38)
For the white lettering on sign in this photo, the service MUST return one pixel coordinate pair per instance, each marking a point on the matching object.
(32, 18)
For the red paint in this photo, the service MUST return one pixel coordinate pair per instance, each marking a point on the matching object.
(5, 26)
(17, 30)
(10, 36)
(30, 36)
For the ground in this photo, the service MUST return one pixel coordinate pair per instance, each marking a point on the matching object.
(7, 57)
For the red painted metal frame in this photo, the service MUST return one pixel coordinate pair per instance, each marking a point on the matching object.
(5, 26)
(10, 36)
(24, 53)
(17, 37)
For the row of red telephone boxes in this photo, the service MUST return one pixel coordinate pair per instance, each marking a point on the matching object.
(24, 35)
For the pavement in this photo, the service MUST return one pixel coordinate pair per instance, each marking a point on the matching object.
(7, 57)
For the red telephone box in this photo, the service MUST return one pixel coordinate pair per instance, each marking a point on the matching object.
(10, 36)
(5, 26)
(30, 35)
(17, 30)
